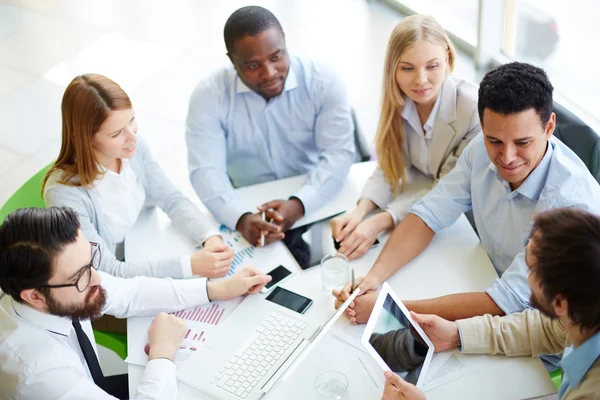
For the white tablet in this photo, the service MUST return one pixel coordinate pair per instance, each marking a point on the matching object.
(395, 341)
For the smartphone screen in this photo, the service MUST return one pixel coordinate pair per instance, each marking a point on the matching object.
(278, 274)
(291, 300)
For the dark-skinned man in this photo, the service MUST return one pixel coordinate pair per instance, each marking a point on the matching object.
(267, 116)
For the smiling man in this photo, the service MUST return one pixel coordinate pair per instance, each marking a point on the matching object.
(514, 171)
(268, 116)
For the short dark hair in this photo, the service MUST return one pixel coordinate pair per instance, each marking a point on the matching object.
(567, 253)
(248, 21)
(30, 240)
(516, 87)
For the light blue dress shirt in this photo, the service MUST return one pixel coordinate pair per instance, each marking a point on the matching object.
(504, 217)
(576, 362)
(234, 133)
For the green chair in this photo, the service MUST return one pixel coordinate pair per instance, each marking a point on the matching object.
(556, 377)
(30, 195)
(117, 342)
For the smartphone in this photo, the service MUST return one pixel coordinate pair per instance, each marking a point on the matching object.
(278, 274)
(290, 300)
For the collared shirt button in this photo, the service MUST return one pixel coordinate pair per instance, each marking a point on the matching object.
(497, 226)
(498, 251)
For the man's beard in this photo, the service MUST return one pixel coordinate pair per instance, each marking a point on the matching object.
(90, 309)
(547, 311)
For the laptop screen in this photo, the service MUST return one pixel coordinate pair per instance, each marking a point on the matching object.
(397, 342)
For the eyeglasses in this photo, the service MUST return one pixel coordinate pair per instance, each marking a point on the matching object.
(84, 277)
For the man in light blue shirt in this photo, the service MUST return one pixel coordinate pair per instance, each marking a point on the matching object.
(513, 172)
(267, 117)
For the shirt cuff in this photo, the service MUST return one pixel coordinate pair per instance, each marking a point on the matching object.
(461, 336)
(504, 297)
(470, 330)
(309, 197)
(232, 212)
(159, 380)
(186, 267)
(208, 236)
(394, 216)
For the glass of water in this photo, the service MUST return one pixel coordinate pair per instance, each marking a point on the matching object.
(331, 385)
(334, 271)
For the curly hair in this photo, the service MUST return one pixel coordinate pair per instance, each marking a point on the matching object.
(516, 87)
(248, 21)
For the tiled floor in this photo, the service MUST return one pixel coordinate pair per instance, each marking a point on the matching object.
(158, 50)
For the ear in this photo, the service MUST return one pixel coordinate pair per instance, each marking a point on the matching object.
(33, 298)
(550, 126)
(560, 305)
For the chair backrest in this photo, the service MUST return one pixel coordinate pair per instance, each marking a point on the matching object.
(360, 142)
(579, 137)
(28, 195)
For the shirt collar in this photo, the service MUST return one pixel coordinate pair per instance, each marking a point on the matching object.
(410, 114)
(535, 182)
(124, 166)
(290, 82)
(577, 362)
(51, 323)
(434, 111)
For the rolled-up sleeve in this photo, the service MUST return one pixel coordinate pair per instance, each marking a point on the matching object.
(450, 198)
(207, 154)
(511, 292)
(334, 138)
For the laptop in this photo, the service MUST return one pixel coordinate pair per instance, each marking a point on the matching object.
(253, 349)
(395, 341)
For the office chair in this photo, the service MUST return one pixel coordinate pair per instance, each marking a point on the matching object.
(579, 137)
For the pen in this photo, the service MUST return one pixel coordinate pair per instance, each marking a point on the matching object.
(353, 282)
(262, 233)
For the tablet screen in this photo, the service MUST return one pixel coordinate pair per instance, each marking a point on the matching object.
(397, 342)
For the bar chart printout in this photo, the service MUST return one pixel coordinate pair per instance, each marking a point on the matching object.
(201, 321)
(210, 314)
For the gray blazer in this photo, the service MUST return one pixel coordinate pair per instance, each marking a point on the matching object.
(457, 122)
(160, 192)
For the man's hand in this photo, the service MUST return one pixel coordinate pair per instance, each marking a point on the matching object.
(214, 260)
(247, 281)
(289, 212)
(396, 388)
(443, 334)
(165, 336)
(250, 226)
(363, 306)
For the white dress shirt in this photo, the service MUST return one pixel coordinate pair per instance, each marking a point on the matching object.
(121, 197)
(419, 137)
(418, 140)
(40, 357)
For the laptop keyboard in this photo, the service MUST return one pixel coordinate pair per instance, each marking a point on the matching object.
(249, 364)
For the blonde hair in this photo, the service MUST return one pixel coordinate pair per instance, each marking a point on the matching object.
(390, 130)
(86, 104)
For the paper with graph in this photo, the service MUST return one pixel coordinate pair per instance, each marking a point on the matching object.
(201, 321)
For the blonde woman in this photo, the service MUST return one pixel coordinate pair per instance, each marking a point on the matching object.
(427, 118)
(105, 172)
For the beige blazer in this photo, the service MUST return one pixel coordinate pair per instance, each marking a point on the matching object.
(456, 123)
(528, 333)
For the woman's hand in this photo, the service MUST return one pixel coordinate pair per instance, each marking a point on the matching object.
(247, 281)
(214, 260)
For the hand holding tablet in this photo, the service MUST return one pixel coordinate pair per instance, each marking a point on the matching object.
(396, 341)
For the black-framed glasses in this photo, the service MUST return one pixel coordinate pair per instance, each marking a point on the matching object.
(83, 278)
